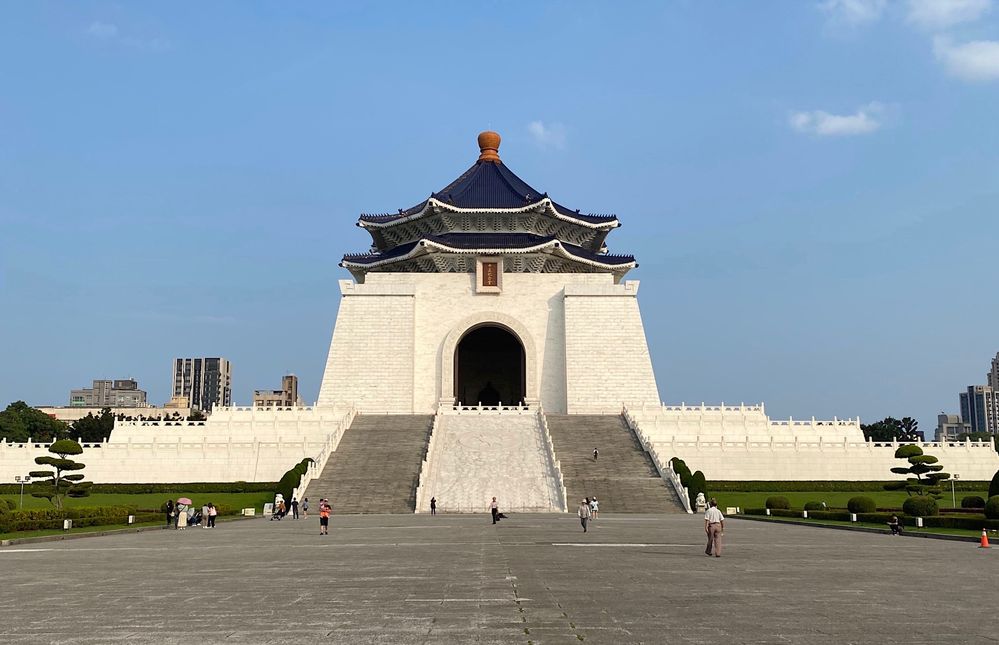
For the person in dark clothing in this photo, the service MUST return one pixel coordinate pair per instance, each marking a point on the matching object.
(169, 513)
(294, 508)
(433, 506)
(895, 525)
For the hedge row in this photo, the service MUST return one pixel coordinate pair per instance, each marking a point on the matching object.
(823, 486)
(50, 518)
(137, 489)
(939, 521)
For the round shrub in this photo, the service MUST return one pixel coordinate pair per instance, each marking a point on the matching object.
(972, 501)
(920, 506)
(814, 506)
(861, 504)
(778, 502)
(908, 450)
(10, 504)
(992, 508)
(994, 485)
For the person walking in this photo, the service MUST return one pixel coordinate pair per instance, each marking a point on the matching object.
(169, 513)
(433, 506)
(714, 527)
(584, 513)
(294, 508)
(325, 509)
(594, 508)
(213, 512)
(305, 508)
(596, 453)
(494, 509)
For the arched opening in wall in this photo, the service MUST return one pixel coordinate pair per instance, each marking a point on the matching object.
(489, 367)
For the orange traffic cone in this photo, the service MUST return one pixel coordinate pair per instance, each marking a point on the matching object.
(985, 540)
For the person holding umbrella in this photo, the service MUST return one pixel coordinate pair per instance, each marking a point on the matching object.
(182, 505)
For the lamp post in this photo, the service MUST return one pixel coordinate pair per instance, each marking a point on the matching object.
(22, 480)
(953, 496)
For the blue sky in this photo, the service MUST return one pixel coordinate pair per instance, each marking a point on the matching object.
(810, 188)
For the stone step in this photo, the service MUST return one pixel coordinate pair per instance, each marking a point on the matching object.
(623, 478)
(376, 467)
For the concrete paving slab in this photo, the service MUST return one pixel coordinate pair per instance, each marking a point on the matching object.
(459, 579)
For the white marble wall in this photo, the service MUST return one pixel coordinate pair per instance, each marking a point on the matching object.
(478, 455)
(393, 345)
(734, 443)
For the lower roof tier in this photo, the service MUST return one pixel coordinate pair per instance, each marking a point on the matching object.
(456, 253)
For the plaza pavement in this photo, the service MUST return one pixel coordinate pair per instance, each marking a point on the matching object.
(530, 579)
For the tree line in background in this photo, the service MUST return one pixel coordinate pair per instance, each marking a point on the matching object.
(20, 422)
(907, 429)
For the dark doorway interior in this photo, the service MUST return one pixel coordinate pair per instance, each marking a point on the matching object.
(489, 368)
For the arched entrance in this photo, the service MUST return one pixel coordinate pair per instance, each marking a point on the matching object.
(490, 367)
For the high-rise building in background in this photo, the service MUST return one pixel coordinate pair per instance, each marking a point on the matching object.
(106, 393)
(206, 382)
(286, 397)
(950, 427)
(980, 408)
(992, 378)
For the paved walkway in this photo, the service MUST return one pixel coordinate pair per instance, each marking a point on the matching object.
(530, 579)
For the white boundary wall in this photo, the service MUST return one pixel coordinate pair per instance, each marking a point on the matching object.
(234, 444)
(742, 443)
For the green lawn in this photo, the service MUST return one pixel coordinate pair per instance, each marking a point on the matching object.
(19, 535)
(151, 500)
(884, 499)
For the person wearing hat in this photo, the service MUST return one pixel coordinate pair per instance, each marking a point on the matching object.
(584, 513)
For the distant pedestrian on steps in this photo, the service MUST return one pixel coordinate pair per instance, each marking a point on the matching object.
(494, 509)
(594, 508)
(584, 513)
(433, 506)
(596, 453)
(325, 509)
(305, 508)
(294, 508)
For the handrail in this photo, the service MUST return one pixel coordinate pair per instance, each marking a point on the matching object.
(315, 468)
(556, 464)
(665, 467)
(425, 466)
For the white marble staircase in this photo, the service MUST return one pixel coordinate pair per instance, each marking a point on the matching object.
(479, 453)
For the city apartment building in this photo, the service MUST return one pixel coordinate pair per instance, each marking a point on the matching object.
(950, 427)
(980, 408)
(205, 382)
(286, 397)
(106, 393)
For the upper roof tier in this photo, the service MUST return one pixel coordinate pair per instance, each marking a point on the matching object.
(488, 187)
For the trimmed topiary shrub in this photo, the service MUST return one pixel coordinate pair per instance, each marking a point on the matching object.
(778, 502)
(814, 506)
(10, 505)
(972, 501)
(920, 506)
(994, 486)
(861, 504)
(697, 485)
(992, 508)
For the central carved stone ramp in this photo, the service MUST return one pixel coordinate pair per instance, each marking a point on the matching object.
(623, 478)
(376, 466)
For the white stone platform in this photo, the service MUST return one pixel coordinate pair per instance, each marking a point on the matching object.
(476, 455)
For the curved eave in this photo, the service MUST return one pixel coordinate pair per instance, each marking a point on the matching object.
(555, 247)
(433, 205)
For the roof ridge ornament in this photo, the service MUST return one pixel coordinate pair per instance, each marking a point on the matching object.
(489, 143)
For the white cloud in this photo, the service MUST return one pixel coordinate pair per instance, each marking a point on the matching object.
(977, 60)
(111, 33)
(941, 14)
(103, 30)
(818, 122)
(854, 12)
(550, 135)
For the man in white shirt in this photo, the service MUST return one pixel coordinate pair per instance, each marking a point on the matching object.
(714, 526)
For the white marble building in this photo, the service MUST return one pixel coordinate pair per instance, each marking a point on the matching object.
(489, 291)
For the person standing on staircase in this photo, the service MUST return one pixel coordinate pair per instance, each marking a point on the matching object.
(433, 506)
(494, 509)
(596, 453)
(324, 517)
